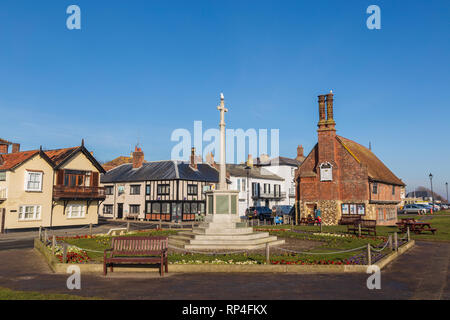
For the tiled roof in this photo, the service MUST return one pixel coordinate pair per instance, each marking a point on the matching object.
(161, 170)
(117, 162)
(280, 161)
(11, 160)
(59, 155)
(238, 170)
(377, 170)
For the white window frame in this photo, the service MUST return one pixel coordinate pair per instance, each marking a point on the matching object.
(70, 212)
(37, 210)
(27, 180)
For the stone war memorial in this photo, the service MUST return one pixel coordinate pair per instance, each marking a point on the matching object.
(222, 228)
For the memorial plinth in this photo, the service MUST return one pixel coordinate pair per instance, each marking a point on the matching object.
(222, 228)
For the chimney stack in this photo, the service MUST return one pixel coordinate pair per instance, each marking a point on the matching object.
(300, 155)
(250, 161)
(15, 148)
(329, 101)
(138, 158)
(322, 118)
(210, 158)
(193, 163)
(3, 148)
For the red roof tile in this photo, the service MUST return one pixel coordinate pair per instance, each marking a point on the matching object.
(377, 170)
(11, 160)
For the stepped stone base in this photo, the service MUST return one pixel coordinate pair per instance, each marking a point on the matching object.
(223, 232)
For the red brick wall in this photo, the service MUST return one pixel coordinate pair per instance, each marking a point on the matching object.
(3, 148)
(350, 182)
(384, 192)
(350, 178)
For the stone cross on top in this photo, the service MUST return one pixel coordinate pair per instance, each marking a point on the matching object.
(222, 109)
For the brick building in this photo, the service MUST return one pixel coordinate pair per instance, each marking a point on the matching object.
(342, 177)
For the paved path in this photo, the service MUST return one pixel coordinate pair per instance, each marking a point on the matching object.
(421, 273)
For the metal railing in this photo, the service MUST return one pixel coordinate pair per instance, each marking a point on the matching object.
(62, 192)
(275, 195)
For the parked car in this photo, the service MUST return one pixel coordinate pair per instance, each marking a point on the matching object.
(425, 206)
(413, 208)
(282, 209)
(444, 206)
(262, 213)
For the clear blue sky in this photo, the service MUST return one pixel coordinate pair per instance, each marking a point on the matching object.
(144, 68)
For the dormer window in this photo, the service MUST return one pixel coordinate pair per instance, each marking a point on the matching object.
(33, 181)
(326, 172)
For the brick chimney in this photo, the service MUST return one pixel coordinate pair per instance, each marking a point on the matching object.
(250, 160)
(326, 131)
(193, 163)
(138, 157)
(300, 155)
(3, 148)
(210, 158)
(329, 101)
(15, 148)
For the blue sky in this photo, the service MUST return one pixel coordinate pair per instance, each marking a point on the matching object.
(140, 69)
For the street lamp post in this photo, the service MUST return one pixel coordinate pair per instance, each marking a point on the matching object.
(446, 187)
(431, 183)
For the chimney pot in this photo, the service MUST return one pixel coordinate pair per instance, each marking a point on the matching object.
(300, 153)
(193, 162)
(330, 108)
(250, 161)
(15, 148)
(138, 158)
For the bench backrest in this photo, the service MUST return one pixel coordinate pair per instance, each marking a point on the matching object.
(349, 219)
(368, 223)
(138, 245)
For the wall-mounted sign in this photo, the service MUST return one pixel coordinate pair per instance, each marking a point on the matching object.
(326, 172)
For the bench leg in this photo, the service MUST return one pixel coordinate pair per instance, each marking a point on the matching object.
(161, 268)
(167, 265)
(105, 269)
(111, 267)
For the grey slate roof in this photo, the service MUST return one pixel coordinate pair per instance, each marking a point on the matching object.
(238, 170)
(281, 161)
(161, 170)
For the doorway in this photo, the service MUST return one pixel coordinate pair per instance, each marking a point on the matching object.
(311, 210)
(119, 210)
(176, 212)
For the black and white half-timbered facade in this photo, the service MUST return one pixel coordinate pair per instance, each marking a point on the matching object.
(167, 190)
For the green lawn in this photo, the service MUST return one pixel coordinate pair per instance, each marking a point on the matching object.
(329, 244)
(8, 294)
(440, 221)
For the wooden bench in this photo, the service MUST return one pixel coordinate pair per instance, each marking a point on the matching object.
(416, 227)
(133, 216)
(137, 250)
(349, 219)
(367, 226)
